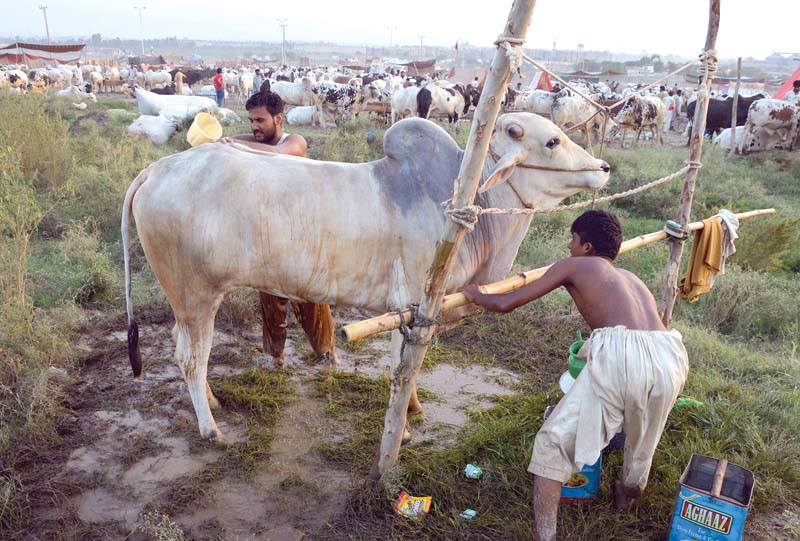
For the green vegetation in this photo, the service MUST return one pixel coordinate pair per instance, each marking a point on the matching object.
(63, 176)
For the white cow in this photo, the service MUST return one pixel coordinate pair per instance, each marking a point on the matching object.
(245, 85)
(219, 217)
(159, 78)
(152, 104)
(296, 93)
(538, 101)
(723, 140)
(77, 93)
(304, 115)
(404, 103)
(771, 124)
(571, 111)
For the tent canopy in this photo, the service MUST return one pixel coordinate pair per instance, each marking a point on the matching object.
(787, 85)
(39, 56)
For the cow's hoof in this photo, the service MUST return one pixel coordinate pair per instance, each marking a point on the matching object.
(217, 437)
(213, 403)
(414, 408)
(278, 361)
(406, 437)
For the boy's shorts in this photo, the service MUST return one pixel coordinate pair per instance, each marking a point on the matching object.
(630, 382)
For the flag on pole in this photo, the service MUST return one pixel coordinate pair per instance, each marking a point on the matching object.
(456, 45)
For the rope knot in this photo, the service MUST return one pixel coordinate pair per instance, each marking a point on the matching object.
(691, 164)
(514, 52)
(708, 63)
(466, 217)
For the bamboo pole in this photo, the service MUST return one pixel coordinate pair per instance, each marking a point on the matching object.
(735, 106)
(392, 320)
(670, 286)
(416, 342)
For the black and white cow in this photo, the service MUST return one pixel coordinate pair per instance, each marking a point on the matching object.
(720, 112)
(333, 97)
(642, 112)
(448, 102)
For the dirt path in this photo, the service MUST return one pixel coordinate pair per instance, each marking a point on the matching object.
(135, 449)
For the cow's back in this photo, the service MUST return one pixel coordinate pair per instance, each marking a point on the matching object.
(217, 218)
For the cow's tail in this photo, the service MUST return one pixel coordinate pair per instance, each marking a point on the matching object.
(134, 354)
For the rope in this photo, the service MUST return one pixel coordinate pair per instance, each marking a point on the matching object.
(582, 204)
(708, 63)
(514, 52)
(417, 320)
(466, 217)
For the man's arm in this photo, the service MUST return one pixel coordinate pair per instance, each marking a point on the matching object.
(559, 274)
(294, 145)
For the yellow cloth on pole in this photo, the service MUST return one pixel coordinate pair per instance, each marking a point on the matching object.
(705, 261)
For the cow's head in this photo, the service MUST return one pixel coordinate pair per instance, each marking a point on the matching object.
(543, 163)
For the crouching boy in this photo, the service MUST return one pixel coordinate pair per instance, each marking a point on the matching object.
(635, 369)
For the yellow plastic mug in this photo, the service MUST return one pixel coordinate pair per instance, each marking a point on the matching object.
(204, 129)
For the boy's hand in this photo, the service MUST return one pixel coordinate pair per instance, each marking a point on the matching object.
(472, 292)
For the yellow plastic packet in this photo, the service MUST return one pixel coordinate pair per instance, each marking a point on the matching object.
(410, 506)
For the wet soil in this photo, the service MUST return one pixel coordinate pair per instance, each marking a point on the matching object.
(132, 446)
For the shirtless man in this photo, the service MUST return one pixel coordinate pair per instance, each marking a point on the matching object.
(635, 369)
(265, 111)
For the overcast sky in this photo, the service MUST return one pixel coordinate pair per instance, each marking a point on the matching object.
(667, 27)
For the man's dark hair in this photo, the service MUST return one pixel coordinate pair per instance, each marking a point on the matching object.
(270, 100)
(796, 82)
(602, 229)
(219, 70)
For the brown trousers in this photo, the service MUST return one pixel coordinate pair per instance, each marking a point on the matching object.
(316, 320)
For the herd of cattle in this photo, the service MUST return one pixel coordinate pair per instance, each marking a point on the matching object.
(324, 96)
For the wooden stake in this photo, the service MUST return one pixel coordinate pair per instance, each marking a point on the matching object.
(670, 286)
(416, 342)
(392, 320)
(735, 106)
(719, 477)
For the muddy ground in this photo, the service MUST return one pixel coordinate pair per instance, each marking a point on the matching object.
(131, 447)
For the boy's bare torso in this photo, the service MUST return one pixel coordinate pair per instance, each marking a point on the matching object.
(607, 296)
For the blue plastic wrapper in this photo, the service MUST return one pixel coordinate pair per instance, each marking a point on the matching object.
(473, 472)
(468, 514)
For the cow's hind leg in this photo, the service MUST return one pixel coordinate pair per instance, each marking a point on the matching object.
(194, 334)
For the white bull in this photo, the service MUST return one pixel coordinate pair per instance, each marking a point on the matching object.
(219, 217)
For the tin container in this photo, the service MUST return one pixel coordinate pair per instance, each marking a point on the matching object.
(713, 501)
(584, 485)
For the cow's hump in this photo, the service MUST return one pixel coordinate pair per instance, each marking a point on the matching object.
(422, 160)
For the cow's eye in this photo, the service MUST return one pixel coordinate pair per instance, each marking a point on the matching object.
(515, 131)
(553, 143)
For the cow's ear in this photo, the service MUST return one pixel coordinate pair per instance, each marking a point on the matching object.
(503, 169)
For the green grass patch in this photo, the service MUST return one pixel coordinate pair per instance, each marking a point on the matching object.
(750, 407)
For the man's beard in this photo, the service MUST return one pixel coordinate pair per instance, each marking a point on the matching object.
(264, 136)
